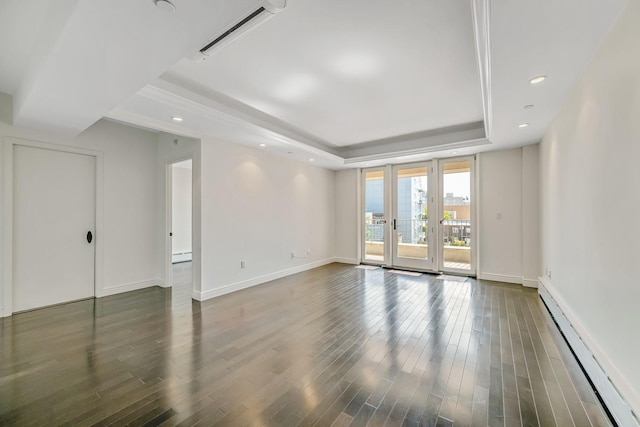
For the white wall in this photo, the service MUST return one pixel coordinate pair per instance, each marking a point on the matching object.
(181, 210)
(508, 215)
(129, 217)
(129, 202)
(259, 208)
(500, 215)
(346, 216)
(590, 202)
(6, 116)
(531, 268)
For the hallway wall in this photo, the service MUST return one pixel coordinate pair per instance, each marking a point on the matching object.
(589, 202)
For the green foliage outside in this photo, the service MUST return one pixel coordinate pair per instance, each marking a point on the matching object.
(453, 241)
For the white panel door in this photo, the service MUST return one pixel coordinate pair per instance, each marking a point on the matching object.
(54, 210)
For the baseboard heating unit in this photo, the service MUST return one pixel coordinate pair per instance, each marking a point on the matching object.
(618, 408)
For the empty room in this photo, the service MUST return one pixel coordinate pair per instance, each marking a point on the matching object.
(319, 213)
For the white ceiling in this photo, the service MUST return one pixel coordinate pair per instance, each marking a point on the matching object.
(349, 84)
(353, 72)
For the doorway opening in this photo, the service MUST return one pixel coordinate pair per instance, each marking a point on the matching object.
(181, 202)
(179, 223)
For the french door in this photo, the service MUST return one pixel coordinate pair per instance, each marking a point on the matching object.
(410, 230)
(418, 216)
(456, 232)
(375, 187)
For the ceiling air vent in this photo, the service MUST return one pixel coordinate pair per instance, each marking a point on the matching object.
(267, 10)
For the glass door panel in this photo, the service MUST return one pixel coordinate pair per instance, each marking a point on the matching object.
(410, 228)
(374, 216)
(456, 225)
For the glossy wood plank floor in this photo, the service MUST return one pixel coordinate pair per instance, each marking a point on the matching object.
(332, 346)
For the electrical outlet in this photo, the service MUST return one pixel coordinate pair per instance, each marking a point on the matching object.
(242, 264)
(308, 251)
(549, 274)
(293, 255)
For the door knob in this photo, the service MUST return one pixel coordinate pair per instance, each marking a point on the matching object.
(89, 236)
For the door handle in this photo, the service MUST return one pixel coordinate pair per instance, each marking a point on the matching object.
(443, 220)
(394, 224)
(89, 237)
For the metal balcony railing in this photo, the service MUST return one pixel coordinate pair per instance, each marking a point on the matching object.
(416, 231)
(456, 232)
(374, 232)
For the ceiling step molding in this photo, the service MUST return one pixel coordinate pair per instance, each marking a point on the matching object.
(481, 11)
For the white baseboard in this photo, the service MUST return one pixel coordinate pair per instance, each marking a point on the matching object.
(616, 392)
(161, 284)
(500, 278)
(126, 288)
(227, 289)
(2, 313)
(182, 257)
(346, 260)
(530, 283)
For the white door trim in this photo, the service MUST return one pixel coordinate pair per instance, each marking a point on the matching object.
(7, 282)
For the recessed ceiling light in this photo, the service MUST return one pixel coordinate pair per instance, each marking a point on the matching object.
(528, 107)
(165, 5)
(176, 119)
(537, 80)
(454, 152)
(262, 145)
(312, 160)
(523, 125)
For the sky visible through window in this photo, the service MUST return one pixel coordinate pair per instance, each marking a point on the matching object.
(457, 183)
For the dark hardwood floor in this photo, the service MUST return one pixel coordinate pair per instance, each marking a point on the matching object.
(335, 346)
